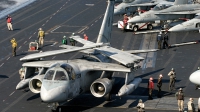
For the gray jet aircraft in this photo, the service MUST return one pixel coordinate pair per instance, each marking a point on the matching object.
(60, 80)
(131, 6)
(190, 25)
(180, 9)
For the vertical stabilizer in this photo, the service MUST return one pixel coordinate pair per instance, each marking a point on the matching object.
(106, 27)
(179, 2)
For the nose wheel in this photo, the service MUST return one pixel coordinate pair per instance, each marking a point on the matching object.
(53, 106)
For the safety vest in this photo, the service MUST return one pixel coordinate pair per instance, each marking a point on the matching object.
(64, 41)
(86, 37)
(9, 20)
(14, 44)
(41, 33)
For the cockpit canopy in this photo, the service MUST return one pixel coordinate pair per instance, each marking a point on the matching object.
(61, 73)
(160, 7)
(128, 1)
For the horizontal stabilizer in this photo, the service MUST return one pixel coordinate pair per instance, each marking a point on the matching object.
(122, 57)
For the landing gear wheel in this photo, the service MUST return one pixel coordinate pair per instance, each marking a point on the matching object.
(150, 27)
(108, 97)
(135, 28)
(54, 107)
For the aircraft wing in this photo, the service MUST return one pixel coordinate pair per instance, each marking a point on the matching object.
(141, 51)
(180, 12)
(68, 47)
(98, 66)
(81, 40)
(45, 64)
(91, 66)
(123, 57)
(145, 4)
(56, 52)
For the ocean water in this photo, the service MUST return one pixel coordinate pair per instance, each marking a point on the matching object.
(10, 6)
(8, 3)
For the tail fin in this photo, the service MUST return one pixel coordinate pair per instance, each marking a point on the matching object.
(179, 2)
(106, 27)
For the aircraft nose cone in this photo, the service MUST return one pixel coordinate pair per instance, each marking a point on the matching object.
(23, 84)
(116, 11)
(135, 19)
(56, 94)
(194, 77)
(177, 28)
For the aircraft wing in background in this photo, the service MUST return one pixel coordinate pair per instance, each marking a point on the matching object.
(180, 12)
(145, 4)
(141, 51)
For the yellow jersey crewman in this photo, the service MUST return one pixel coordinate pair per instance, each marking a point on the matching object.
(41, 35)
(14, 46)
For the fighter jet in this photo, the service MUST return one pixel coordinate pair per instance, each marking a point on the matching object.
(190, 25)
(180, 9)
(60, 80)
(131, 6)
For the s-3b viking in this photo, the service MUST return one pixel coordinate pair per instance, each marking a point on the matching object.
(61, 80)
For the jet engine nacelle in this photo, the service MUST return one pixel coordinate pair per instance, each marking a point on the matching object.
(101, 87)
(35, 83)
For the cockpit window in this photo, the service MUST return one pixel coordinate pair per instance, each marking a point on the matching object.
(128, 1)
(49, 75)
(60, 75)
(70, 71)
(160, 7)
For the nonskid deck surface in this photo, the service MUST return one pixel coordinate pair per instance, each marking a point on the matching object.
(76, 16)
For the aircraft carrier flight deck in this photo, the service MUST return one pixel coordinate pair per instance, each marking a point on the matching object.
(64, 17)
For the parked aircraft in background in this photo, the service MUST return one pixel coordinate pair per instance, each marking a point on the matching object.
(180, 9)
(61, 80)
(190, 25)
(132, 6)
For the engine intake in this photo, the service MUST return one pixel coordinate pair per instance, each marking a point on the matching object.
(35, 83)
(101, 87)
